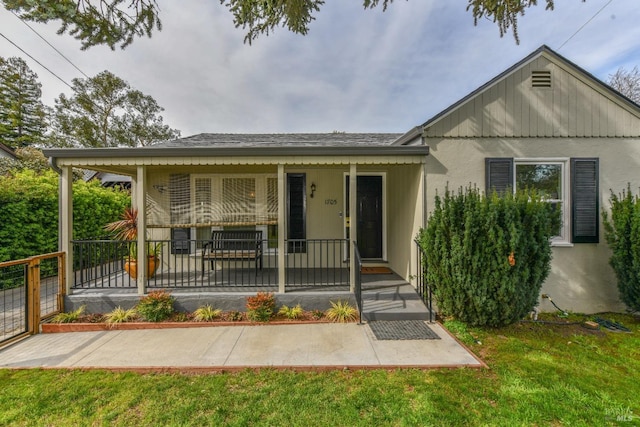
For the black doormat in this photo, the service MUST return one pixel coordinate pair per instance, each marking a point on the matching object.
(402, 330)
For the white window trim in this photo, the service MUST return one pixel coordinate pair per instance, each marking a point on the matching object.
(564, 240)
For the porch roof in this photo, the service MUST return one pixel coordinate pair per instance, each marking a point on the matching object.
(252, 149)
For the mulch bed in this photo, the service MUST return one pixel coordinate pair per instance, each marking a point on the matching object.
(95, 322)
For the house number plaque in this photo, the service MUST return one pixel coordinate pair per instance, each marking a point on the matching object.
(330, 202)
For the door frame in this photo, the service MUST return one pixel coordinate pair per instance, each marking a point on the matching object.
(384, 210)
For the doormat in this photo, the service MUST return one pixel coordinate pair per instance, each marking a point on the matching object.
(402, 330)
(376, 270)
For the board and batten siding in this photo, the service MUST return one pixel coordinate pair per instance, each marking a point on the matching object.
(574, 106)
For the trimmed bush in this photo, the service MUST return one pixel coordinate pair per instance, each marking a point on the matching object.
(623, 235)
(261, 307)
(29, 205)
(156, 306)
(487, 257)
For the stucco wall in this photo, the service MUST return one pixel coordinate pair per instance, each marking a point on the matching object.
(405, 217)
(581, 279)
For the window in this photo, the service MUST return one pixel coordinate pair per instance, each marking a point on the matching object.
(571, 185)
(548, 180)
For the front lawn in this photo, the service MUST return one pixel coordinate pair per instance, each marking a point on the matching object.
(540, 374)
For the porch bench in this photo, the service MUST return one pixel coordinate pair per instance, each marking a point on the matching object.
(233, 245)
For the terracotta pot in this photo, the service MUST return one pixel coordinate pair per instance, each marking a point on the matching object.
(131, 266)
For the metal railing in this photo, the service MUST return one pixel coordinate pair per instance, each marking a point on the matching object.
(358, 282)
(422, 284)
(317, 262)
(31, 290)
(100, 263)
(183, 266)
(180, 265)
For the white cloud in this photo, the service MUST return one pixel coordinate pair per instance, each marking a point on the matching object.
(357, 70)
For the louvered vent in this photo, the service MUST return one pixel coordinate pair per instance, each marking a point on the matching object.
(541, 79)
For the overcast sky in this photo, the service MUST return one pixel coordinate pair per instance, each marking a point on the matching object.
(356, 71)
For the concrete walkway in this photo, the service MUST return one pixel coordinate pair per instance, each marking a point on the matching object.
(302, 346)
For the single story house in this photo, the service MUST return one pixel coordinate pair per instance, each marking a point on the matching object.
(313, 197)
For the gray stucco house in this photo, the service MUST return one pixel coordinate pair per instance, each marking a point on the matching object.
(313, 196)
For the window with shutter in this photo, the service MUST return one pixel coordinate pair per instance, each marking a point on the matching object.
(580, 213)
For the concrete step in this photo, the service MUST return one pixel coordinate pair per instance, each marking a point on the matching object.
(397, 301)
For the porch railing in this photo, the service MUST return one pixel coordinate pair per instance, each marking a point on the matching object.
(317, 262)
(422, 284)
(358, 284)
(100, 263)
(308, 264)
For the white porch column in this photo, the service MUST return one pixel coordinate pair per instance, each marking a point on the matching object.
(138, 200)
(353, 221)
(66, 223)
(282, 227)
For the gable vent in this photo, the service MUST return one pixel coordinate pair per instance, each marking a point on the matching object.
(541, 79)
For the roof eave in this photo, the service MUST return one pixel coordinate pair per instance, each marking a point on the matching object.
(147, 152)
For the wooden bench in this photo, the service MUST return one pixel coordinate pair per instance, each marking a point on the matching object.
(233, 245)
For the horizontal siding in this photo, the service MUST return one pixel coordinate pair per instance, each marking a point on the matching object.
(572, 107)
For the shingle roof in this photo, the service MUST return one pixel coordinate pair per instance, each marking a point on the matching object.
(226, 140)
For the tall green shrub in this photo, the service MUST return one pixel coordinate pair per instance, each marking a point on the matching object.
(623, 235)
(29, 212)
(487, 257)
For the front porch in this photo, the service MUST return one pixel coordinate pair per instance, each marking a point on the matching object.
(384, 297)
(310, 207)
(313, 278)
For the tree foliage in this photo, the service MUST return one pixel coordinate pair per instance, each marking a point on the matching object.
(627, 83)
(113, 22)
(94, 22)
(623, 235)
(22, 114)
(29, 205)
(104, 111)
(487, 257)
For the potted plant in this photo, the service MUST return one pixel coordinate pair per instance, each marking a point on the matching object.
(126, 229)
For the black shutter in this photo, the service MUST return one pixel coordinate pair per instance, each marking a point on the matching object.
(498, 174)
(296, 212)
(584, 201)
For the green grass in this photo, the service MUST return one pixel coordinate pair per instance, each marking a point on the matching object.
(539, 375)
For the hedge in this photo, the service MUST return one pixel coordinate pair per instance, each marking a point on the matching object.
(623, 236)
(29, 212)
(487, 257)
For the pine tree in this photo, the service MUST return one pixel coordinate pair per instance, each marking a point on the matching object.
(22, 114)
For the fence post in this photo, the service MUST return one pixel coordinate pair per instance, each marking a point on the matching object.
(33, 280)
(62, 279)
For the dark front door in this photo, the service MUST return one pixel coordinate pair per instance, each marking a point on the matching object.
(369, 216)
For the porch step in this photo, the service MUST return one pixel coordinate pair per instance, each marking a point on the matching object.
(394, 301)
